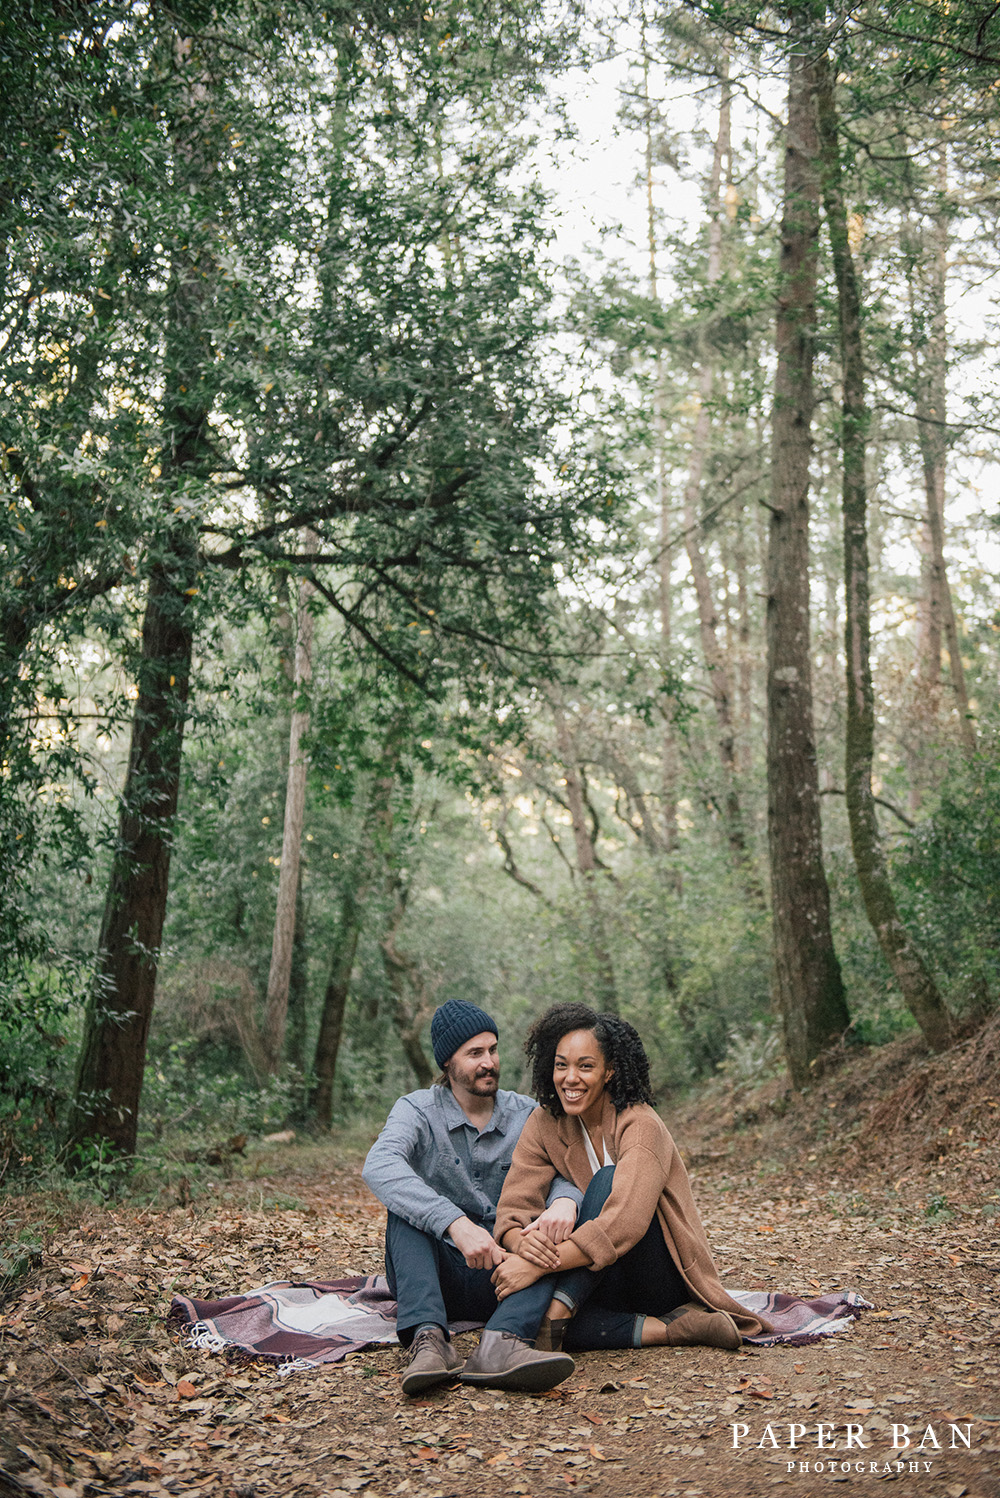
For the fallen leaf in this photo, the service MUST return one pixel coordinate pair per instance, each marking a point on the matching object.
(594, 1419)
(597, 1453)
(186, 1389)
(760, 1393)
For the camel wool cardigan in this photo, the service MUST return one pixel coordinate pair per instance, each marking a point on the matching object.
(649, 1178)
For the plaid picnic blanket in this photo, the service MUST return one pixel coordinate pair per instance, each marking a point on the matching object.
(298, 1325)
(799, 1322)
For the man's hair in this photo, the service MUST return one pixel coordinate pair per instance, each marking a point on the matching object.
(620, 1045)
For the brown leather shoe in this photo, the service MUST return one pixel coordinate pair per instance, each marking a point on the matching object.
(432, 1360)
(694, 1325)
(503, 1361)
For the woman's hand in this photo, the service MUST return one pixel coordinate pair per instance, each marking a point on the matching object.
(514, 1274)
(557, 1221)
(538, 1250)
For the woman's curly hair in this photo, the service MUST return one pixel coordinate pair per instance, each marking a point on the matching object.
(620, 1045)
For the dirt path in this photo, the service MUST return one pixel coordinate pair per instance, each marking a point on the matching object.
(99, 1398)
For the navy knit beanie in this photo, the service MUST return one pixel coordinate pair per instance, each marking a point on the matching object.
(455, 1023)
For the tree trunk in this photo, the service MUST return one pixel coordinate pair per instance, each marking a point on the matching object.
(744, 653)
(375, 854)
(586, 862)
(809, 990)
(915, 982)
(412, 994)
(331, 1025)
(116, 1024)
(298, 995)
(279, 977)
(720, 676)
(409, 1013)
(937, 613)
(671, 767)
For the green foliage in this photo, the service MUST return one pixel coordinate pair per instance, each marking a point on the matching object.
(331, 282)
(196, 1090)
(39, 1027)
(18, 1256)
(752, 1055)
(949, 878)
(937, 1208)
(102, 1171)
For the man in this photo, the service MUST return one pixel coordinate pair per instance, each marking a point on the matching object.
(438, 1167)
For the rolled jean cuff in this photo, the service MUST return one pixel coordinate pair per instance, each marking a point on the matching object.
(640, 1322)
(564, 1298)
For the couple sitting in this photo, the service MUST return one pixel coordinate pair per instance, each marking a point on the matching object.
(565, 1226)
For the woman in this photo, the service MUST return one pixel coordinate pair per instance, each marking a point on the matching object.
(636, 1271)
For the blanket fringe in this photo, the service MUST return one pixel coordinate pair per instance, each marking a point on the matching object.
(202, 1335)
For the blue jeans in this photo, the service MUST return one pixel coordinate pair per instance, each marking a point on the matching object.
(431, 1282)
(611, 1304)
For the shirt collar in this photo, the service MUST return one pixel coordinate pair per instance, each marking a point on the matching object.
(456, 1119)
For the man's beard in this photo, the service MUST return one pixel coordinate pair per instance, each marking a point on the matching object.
(480, 1083)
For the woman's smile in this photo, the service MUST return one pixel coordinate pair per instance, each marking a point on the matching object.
(580, 1075)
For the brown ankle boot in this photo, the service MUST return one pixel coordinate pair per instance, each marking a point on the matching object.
(503, 1361)
(432, 1360)
(551, 1333)
(694, 1325)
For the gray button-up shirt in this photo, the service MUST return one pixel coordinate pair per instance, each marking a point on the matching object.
(430, 1165)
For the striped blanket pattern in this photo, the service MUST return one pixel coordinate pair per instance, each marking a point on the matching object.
(301, 1324)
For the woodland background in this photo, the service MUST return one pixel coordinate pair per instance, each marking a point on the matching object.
(392, 611)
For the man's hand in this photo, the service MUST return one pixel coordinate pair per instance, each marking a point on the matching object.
(478, 1248)
(556, 1222)
(514, 1274)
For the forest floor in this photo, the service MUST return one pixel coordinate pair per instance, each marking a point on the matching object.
(884, 1177)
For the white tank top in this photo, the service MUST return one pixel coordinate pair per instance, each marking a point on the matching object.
(595, 1164)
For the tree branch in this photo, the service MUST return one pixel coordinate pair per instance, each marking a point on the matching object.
(833, 790)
